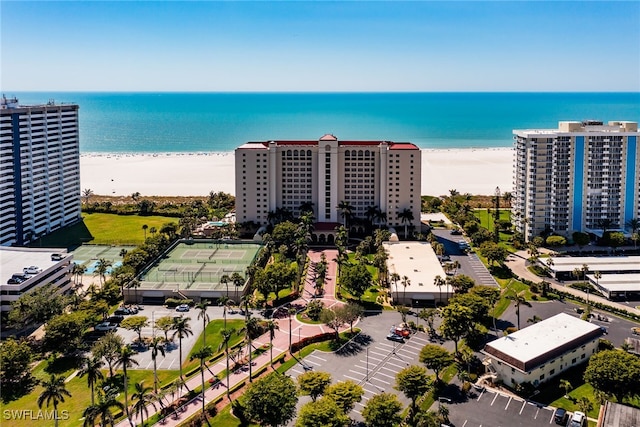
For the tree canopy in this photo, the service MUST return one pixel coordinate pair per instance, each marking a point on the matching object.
(15, 375)
(614, 372)
(383, 410)
(271, 400)
(345, 393)
(435, 358)
(356, 279)
(313, 383)
(324, 412)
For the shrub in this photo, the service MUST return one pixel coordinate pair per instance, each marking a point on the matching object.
(555, 241)
(314, 308)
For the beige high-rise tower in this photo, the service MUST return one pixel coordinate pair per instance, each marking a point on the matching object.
(323, 174)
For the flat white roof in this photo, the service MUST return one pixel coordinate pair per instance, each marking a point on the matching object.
(602, 264)
(418, 262)
(13, 260)
(437, 216)
(542, 337)
(618, 282)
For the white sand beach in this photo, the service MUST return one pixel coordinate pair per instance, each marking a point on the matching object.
(475, 171)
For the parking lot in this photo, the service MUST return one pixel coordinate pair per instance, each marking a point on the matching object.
(371, 360)
(491, 408)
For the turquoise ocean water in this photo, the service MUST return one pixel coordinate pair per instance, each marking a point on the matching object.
(217, 122)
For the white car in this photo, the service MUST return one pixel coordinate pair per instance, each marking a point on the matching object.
(31, 270)
(105, 327)
(579, 419)
(182, 307)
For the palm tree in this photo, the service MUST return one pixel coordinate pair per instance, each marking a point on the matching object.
(91, 368)
(181, 329)
(272, 326)
(203, 354)
(226, 337)
(144, 228)
(407, 216)
(518, 299)
(238, 281)
(202, 314)
(157, 346)
(87, 193)
(224, 301)
(225, 279)
(439, 282)
(143, 398)
(346, 211)
(102, 266)
(251, 329)
(395, 277)
(126, 360)
(102, 410)
(54, 392)
(605, 224)
(405, 282)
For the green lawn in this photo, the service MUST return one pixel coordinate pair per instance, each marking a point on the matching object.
(486, 221)
(103, 229)
(214, 339)
(80, 394)
(112, 229)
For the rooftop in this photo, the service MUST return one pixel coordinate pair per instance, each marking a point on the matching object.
(418, 262)
(618, 282)
(265, 144)
(602, 264)
(542, 341)
(14, 260)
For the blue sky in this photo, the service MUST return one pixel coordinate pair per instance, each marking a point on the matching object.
(319, 46)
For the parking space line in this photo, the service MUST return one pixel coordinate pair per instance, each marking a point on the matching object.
(357, 372)
(408, 351)
(378, 379)
(465, 423)
(419, 339)
(507, 405)
(523, 405)
(384, 344)
(389, 362)
(378, 354)
(482, 393)
(551, 419)
(385, 375)
(352, 378)
(316, 357)
(390, 370)
(296, 371)
(494, 399)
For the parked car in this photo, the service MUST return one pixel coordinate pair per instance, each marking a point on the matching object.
(115, 319)
(444, 258)
(182, 307)
(395, 337)
(560, 416)
(456, 232)
(105, 327)
(579, 419)
(57, 257)
(122, 311)
(14, 281)
(20, 276)
(31, 270)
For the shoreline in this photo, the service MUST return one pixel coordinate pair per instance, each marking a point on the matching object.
(468, 170)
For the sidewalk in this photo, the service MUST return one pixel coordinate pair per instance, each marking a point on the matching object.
(517, 263)
(281, 341)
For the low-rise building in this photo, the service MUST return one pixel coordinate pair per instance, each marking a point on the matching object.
(617, 415)
(542, 351)
(617, 286)
(24, 269)
(418, 266)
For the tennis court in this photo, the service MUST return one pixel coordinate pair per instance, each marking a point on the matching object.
(88, 255)
(200, 266)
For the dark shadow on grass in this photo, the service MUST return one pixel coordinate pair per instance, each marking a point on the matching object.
(70, 237)
(62, 364)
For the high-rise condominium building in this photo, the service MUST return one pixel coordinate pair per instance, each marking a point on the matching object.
(583, 176)
(325, 173)
(39, 158)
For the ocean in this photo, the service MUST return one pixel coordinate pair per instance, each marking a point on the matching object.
(218, 122)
